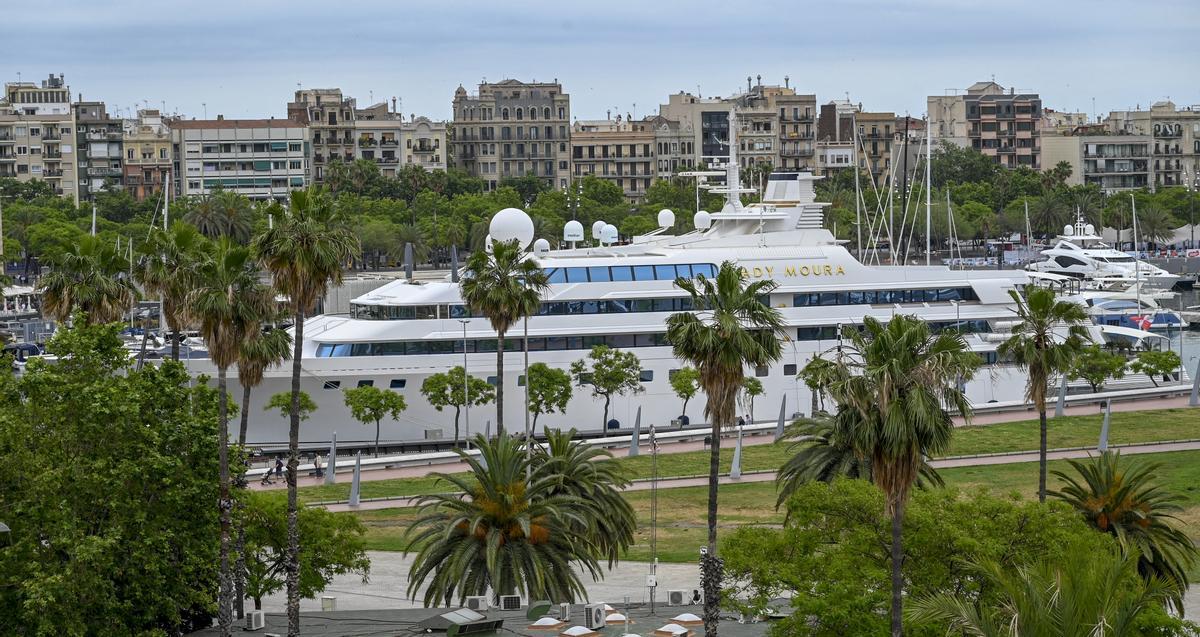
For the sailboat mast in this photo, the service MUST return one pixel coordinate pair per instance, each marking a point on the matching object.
(857, 191)
(928, 191)
(903, 181)
(1137, 264)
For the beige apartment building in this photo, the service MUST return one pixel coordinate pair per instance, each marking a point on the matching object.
(385, 137)
(1112, 162)
(330, 117)
(513, 129)
(1001, 123)
(620, 151)
(259, 158)
(835, 137)
(877, 145)
(99, 149)
(1175, 151)
(674, 145)
(37, 134)
(147, 143)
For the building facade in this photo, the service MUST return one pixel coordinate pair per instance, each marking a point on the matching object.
(385, 137)
(1112, 162)
(877, 145)
(621, 151)
(674, 146)
(330, 117)
(1176, 133)
(835, 136)
(99, 149)
(147, 142)
(1001, 123)
(513, 129)
(259, 158)
(37, 135)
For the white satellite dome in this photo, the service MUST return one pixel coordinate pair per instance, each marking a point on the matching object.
(1089, 229)
(666, 218)
(1068, 231)
(597, 226)
(573, 231)
(510, 224)
(702, 220)
(609, 233)
(487, 244)
(541, 247)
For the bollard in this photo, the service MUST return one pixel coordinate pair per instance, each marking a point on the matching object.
(637, 434)
(331, 466)
(355, 482)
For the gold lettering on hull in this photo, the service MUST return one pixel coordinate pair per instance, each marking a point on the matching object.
(758, 272)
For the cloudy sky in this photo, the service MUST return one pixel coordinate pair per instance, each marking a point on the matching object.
(244, 58)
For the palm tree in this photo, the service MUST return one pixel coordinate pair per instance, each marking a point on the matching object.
(730, 330)
(1130, 504)
(1047, 214)
(504, 287)
(222, 213)
(166, 268)
(229, 302)
(824, 450)
(818, 374)
(501, 533)
(1046, 341)
(1084, 593)
(1155, 225)
(89, 277)
(898, 379)
(305, 251)
(257, 353)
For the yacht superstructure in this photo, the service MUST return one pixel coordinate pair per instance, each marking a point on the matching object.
(621, 295)
(1080, 253)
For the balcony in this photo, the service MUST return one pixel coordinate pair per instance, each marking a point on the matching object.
(52, 172)
(802, 119)
(52, 155)
(367, 142)
(795, 152)
(808, 135)
(100, 136)
(103, 172)
(8, 157)
(388, 160)
(424, 149)
(389, 142)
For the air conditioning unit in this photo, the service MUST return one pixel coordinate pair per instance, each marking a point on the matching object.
(595, 616)
(564, 612)
(510, 602)
(477, 602)
(677, 598)
(256, 620)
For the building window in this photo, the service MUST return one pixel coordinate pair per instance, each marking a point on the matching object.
(761, 371)
(789, 369)
(398, 383)
(646, 376)
(332, 384)
(493, 381)
(366, 383)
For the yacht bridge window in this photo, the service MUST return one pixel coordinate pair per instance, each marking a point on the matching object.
(486, 345)
(873, 297)
(608, 273)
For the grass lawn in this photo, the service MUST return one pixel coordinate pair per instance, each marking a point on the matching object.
(1070, 431)
(681, 512)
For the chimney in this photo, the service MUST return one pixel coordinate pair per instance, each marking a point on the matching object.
(747, 83)
(220, 117)
(393, 103)
(759, 78)
(608, 114)
(786, 79)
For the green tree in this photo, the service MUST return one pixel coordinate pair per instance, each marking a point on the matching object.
(900, 379)
(1156, 364)
(549, 390)
(222, 213)
(503, 286)
(333, 545)
(1129, 502)
(751, 388)
(370, 404)
(1079, 594)
(105, 468)
(229, 303)
(1155, 226)
(610, 372)
(528, 186)
(1096, 365)
(685, 382)
(953, 164)
(636, 225)
(89, 277)
(305, 251)
(818, 374)
(1045, 342)
(282, 402)
(450, 389)
(729, 331)
(503, 534)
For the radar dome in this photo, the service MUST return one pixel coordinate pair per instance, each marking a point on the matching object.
(510, 224)
(609, 233)
(702, 220)
(487, 244)
(573, 231)
(1068, 231)
(541, 247)
(666, 218)
(597, 227)
(1089, 229)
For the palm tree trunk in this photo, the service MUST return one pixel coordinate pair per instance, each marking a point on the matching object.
(897, 570)
(225, 505)
(815, 400)
(604, 421)
(239, 576)
(1042, 454)
(376, 438)
(293, 465)
(710, 581)
(142, 350)
(175, 345)
(456, 413)
(500, 383)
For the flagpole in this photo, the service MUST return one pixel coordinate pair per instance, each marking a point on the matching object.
(93, 218)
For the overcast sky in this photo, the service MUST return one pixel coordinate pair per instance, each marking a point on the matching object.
(244, 58)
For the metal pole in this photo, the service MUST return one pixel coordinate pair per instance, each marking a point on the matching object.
(654, 512)
(466, 387)
(928, 188)
(528, 432)
(857, 188)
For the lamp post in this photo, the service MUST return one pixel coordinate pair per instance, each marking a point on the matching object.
(466, 385)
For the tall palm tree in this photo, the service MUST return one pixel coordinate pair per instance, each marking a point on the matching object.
(1046, 341)
(500, 533)
(1155, 225)
(1048, 213)
(305, 251)
(503, 286)
(90, 277)
(1128, 502)
(222, 213)
(166, 268)
(1084, 593)
(824, 450)
(818, 374)
(230, 303)
(729, 330)
(899, 380)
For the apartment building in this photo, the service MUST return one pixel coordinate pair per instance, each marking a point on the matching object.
(37, 134)
(147, 163)
(618, 150)
(513, 129)
(877, 145)
(100, 149)
(1112, 162)
(708, 120)
(1001, 123)
(330, 117)
(834, 144)
(674, 145)
(385, 137)
(797, 131)
(259, 158)
(1176, 139)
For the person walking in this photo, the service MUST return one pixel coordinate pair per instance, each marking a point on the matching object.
(319, 466)
(278, 467)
